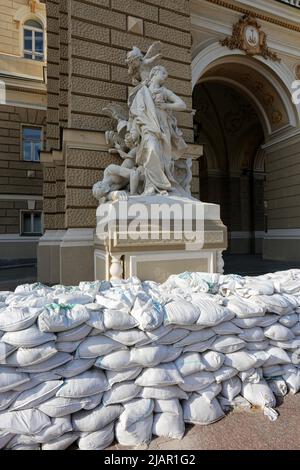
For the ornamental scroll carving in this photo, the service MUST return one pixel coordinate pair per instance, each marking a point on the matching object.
(248, 37)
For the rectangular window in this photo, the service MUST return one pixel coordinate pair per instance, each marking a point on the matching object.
(32, 143)
(31, 223)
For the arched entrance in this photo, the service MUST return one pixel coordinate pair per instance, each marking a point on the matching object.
(242, 105)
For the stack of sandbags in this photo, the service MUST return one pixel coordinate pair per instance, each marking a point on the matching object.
(126, 360)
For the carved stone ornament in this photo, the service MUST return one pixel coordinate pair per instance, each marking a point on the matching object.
(248, 37)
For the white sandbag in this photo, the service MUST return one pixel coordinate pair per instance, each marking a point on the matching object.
(272, 371)
(10, 378)
(96, 317)
(161, 375)
(114, 377)
(147, 312)
(276, 303)
(58, 427)
(128, 337)
(136, 410)
(57, 317)
(200, 347)
(292, 379)
(91, 402)
(24, 357)
(15, 319)
(252, 322)
(5, 351)
(83, 385)
(74, 334)
(22, 442)
(227, 328)
(53, 362)
(228, 344)
(212, 360)
(238, 404)
(231, 388)
(118, 320)
(6, 398)
(151, 356)
(195, 337)
(96, 419)
(29, 338)
(224, 373)
(29, 421)
(211, 313)
(58, 406)
(115, 361)
(244, 308)
(278, 332)
(138, 434)
(67, 346)
(240, 360)
(261, 357)
(96, 346)
(259, 346)
(74, 367)
(253, 334)
(159, 333)
(289, 320)
(296, 329)
(36, 395)
(61, 443)
(278, 387)
(180, 312)
(168, 425)
(259, 394)
(30, 301)
(292, 344)
(5, 437)
(163, 393)
(121, 393)
(174, 337)
(251, 375)
(73, 298)
(197, 381)
(189, 363)
(210, 392)
(97, 440)
(276, 356)
(167, 406)
(198, 410)
(116, 299)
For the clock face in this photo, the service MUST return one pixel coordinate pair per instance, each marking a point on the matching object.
(252, 36)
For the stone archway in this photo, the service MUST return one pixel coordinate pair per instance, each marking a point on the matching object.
(243, 110)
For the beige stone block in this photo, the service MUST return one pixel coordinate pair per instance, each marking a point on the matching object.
(60, 188)
(173, 19)
(90, 31)
(73, 270)
(137, 8)
(80, 218)
(181, 6)
(167, 34)
(90, 159)
(50, 205)
(81, 198)
(86, 104)
(60, 204)
(120, 74)
(49, 189)
(181, 87)
(91, 69)
(81, 177)
(95, 14)
(92, 122)
(100, 52)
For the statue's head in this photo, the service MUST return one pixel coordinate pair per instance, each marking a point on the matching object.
(131, 138)
(159, 73)
(134, 57)
(101, 189)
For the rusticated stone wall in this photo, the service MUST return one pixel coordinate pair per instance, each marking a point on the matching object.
(88, 41)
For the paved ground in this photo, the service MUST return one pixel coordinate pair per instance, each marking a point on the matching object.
(11, 277)
(241, 431)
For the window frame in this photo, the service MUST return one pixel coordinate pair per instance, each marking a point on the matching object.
(31, 212)
(31, 126)
(33, 30)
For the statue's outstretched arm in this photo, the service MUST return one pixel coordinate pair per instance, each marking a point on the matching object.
(175, 103)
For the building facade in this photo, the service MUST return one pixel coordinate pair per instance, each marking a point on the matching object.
(22, 126)
(234, 62)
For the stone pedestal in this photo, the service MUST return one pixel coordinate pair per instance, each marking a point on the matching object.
(148, 249)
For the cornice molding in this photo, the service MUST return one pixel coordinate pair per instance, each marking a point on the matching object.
(260, 16)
